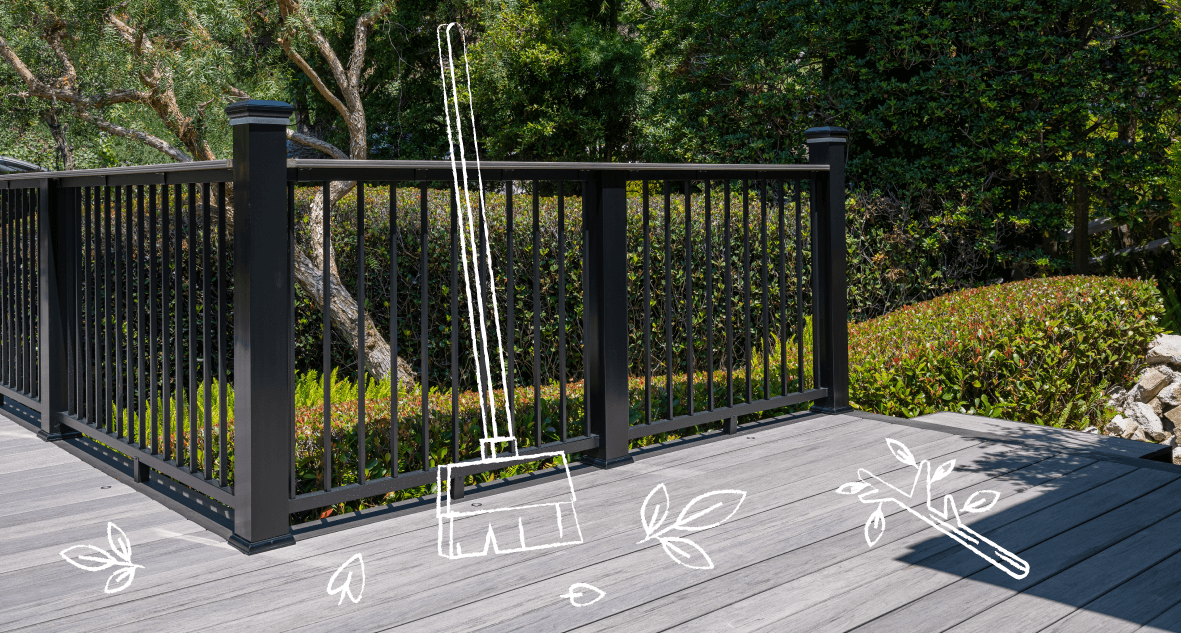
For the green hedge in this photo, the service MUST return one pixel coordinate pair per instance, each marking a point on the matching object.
(780, 292)
(1041, 351)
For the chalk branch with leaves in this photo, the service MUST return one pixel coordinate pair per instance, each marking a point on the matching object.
(93, 558)
(980, 501)
(701, 513)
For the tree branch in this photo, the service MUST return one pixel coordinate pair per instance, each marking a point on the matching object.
(294, 56)
(38, 88)
(154, 142)
(316, 144)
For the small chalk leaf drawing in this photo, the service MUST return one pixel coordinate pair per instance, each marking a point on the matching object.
(93, 558)
(583, 590)
(703, 512)
(346, 588)
(873, 490)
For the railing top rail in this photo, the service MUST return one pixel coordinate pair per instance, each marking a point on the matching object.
(515, 165)
(312, 169)
(305, 170)
(106, 172)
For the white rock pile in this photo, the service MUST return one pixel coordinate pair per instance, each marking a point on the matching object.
(1151, 410)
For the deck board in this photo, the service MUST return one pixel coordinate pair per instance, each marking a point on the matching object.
(1097, 529)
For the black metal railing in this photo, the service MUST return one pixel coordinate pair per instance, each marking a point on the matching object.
(153, 310)
(20, 362)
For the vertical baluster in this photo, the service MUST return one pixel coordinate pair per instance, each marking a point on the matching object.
(108, 313)
(193, 349)
(141, 298)
(153, 328)
(223, 386)
(647, 306)
(424, 301)
(86, 410)
(178, 324)
(6, 285)
(536, 314)
(709, 297)
(395, 379)
(668, 302)
(361, 311)
(207, 334)
(815, 265)
(688, 301)
(746, 335)
(562, 304)
(118, 311)
(5, 312)
(22, 289)
(128, 308)
(326, 335)
(729, 297)
(510, 289)
(165, 331)
(764, 293)
(782, 286)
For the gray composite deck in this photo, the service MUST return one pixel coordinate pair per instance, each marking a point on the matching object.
(1098, 524)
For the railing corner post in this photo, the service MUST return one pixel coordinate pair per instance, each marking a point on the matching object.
(263, 400)
(605, 317)
(55, 233)
(830, 328)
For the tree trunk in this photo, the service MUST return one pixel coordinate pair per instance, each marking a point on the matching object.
(1082, 218)
(309, 272)
(65, 154)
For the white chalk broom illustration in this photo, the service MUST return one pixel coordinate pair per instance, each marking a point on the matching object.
(946, 520)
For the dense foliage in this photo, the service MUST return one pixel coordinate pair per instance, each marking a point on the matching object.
(669, 254)
(1041, 351)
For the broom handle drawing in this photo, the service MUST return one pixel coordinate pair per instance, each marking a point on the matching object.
(983, 546)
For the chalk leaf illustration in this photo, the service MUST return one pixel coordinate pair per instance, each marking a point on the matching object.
(91, 558)
(580, 591)
(981, 501)
(875, 526)
(901, 452)
(654, 510)
(707, 511)
(346, 588)
(852, 488)
(873, 490)
(686, 552)
(943, 471)
(701, 513)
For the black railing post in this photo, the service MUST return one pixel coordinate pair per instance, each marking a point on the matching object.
(56, 221)
(605, 316)
(830, 329)
(263, 400)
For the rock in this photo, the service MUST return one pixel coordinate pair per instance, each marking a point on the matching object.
(1151, 382)
(1094, 430)
(1173, 417)
(1155, 403)
(1170, 441)
(1147, 420)
(1165, 349)
(1118, 426)
(1139, 435)
(1177, 455)
(1170, 396)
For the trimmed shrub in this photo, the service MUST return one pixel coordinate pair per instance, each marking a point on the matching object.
(1041, 350)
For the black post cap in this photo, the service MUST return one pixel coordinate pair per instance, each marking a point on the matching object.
(259, 111)
(826, 132)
